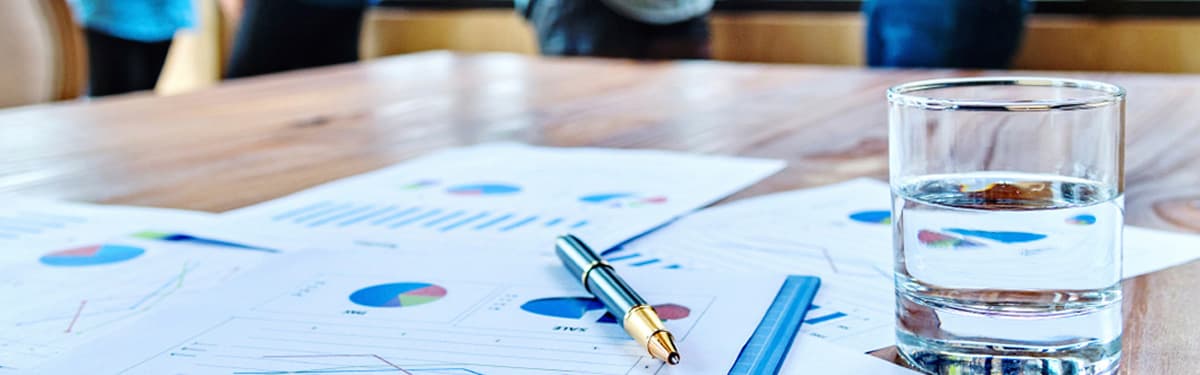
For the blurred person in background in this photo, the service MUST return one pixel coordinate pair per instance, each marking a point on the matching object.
(280, 35)
(128, 40)
(639, 29)
(981, 34)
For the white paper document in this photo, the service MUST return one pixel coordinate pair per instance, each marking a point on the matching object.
(841, 233)
(835, 232)
(382, 311)
(809, 357)
(74, 272)
(521, 196)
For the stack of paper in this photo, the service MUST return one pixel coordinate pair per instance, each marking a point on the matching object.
(443, 265)
(71, 273)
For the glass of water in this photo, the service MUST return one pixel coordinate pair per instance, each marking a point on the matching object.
(1008, 204)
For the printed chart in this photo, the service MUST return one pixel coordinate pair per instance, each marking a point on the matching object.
(579, 307)
(91, 255)
(68, 297)
(398, 295)
(27, 223)
(831, 232)
(523, 196)
(487, 318)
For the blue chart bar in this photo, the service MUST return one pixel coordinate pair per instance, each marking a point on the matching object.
(579, 224)
(464, 221)
(301, 210)
(825, 318)
(624, 257)
(519, 224)
(27, 224)
(395, 216)
(51, 222)
(321, 212)
(13, 228)
(413, 219)
(646, 262)
(53, 217)
(493, 221)
(554, 221)
(673, 267)
(340, 216)
(361, 218)
(443, 219)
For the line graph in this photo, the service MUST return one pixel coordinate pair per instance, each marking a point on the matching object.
(76, 317)
(112, 306)
(378, 364)
(392, 367)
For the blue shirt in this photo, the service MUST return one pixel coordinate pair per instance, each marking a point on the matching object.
(140, 20)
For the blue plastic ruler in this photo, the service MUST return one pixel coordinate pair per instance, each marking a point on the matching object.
(766, 349)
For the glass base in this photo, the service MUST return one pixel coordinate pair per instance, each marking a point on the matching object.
(972, 357)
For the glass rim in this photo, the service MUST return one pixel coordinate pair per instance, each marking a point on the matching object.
(907, 94)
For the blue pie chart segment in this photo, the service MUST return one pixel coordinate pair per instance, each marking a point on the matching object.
(563, 307)
(398, 295)
(93, 255)
(484, 189)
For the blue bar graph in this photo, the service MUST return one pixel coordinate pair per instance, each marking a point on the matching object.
(56, 218)
(519, 224)
(464, 222)
(646, 262)
(395, 216)
(444, 218)
(298, 211)
(340, 216)
(623, 257)
(41, 221)
(13, 228)
(825, 318)
(349, 215)
(414, 219)
(361, 218)
(25, 224)
(322, 212)
(492, 222)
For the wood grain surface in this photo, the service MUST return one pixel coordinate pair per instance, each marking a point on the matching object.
(256, 139)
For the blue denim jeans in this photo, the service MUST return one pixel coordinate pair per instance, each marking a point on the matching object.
(981, 34)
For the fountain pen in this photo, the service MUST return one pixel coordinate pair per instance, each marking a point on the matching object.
(639, 318)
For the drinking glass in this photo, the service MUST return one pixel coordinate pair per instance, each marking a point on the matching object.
(1007, 194)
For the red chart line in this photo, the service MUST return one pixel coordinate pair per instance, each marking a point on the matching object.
(76, 318)
(376, 356)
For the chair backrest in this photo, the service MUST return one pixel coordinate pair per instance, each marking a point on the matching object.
(42, 55)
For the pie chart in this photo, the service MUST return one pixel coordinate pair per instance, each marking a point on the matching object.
(622, 199)
(93, 255)
(578, 307)
(398, 295)
(483, 189)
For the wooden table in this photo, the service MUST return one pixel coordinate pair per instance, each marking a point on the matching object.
(257, 139)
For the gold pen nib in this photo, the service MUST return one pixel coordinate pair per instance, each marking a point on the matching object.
(661, 346)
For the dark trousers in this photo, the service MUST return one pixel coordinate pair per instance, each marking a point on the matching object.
(944, 33)
(117, 66)
(279, 35)
(590, 28)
